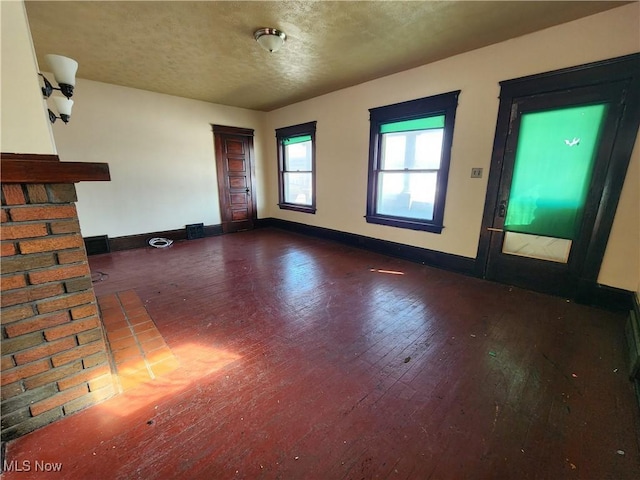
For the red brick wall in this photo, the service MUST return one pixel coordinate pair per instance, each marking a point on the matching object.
(54, 356)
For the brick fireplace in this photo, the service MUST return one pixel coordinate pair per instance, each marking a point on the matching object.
(54, 356)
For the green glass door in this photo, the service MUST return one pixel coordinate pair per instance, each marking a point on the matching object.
(553, 164)
(552, 170)
(554, 159)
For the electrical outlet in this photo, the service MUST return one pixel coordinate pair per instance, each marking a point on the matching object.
(476, 173)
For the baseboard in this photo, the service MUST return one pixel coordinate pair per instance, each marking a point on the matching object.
(632, 334)
(423, 256)
(263, 222)
(129, 242)
(603, 296)
(212, 230)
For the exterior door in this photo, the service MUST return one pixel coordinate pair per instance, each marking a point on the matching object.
(234, 154)
(558, 168)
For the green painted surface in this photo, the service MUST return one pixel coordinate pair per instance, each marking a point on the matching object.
(412, 125)
(554, 160)
(300, 139)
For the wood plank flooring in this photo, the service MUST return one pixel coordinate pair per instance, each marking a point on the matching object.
(305, 359)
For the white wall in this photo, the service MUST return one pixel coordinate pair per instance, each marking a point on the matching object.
(160, 153)
(343, 128)
(25, 126)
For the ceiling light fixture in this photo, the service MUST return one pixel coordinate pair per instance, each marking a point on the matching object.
(271, 39)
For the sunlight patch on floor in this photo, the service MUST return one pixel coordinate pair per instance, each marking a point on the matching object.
(389, 272)
(146, 368)
(195, 362)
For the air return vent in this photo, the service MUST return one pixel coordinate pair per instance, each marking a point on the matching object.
(195, 230)
(97, 245)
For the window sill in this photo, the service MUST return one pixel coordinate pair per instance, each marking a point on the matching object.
(297, 208)
(404, 223)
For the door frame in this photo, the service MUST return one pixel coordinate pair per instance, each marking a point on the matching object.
(622, 69)
(220, 131)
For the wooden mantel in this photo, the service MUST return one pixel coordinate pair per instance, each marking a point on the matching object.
(33, 168)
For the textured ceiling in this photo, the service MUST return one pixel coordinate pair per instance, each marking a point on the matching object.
(206, 51)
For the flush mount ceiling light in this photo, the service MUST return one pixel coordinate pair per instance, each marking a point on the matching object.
(271, 39)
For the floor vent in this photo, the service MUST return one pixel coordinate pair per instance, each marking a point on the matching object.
(97, 245)
(195, 230)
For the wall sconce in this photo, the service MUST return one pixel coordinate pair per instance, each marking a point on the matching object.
(64, 71)
(63, 105)
(271, 39)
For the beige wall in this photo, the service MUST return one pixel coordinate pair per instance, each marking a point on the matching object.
(343, 126)
(161, 156)
(24, 124)
(622, 257)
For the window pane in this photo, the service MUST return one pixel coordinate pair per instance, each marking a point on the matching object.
(536, 246)
(297, 156)
(297, 188)
(393, 151)
(412, 150)
(429, 149)
(407, 194)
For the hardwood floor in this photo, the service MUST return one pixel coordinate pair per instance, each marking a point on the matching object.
(305, 359)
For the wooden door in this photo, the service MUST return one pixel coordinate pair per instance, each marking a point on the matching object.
(234, 156)
(559, 162)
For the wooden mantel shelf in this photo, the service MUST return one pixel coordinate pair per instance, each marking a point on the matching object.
(31, 168)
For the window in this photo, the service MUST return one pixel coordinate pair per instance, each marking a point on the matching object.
(409, 154)
(297, 162)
